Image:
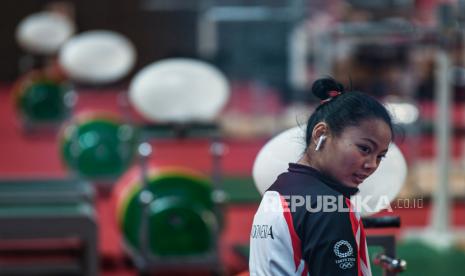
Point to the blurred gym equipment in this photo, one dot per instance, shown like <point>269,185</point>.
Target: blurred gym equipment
<point>43,100</point>
<point>98,146</point>
<point>179,91</point>
<point>44,33</point>
<point>171,217</point>
<point>182,219</point>
<point>97,57</point>
<point>48,190</point>
<point>41,36</point>
<point>56,213</point>
<point>228,35</point>
<point>387,258</point>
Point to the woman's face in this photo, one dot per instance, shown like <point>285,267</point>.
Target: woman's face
<point>357,152</point>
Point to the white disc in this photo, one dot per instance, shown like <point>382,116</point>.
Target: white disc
<point>287,147</point>
<point>44,32</point>
<point>179,90</point>
<point>274,158</point>
<point>98,57</point>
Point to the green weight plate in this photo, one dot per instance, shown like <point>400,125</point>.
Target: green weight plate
<point>99,148</point>
<point>169,182</point>
<point>181,218</point>
<point>181,184</point>
<point>176,227</point>
<point>44,101</point>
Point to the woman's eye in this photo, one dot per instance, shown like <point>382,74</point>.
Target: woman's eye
<point>364,149</point>
<point>381,157</point>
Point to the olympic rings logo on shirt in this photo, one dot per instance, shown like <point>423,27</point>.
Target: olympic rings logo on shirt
<point>346,265</point>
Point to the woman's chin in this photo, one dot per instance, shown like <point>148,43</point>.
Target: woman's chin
<point>352,184</point>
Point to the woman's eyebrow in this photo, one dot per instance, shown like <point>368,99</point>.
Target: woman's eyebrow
<point>371,141</point>
<point>374,144</point>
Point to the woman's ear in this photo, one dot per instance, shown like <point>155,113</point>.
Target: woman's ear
<point>319,135</point>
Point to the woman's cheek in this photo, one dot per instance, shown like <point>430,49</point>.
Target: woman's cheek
<point>353,160</point>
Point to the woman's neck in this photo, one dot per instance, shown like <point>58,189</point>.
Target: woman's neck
<point>308,161</point>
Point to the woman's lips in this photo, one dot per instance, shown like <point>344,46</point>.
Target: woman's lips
<point>359,178</point>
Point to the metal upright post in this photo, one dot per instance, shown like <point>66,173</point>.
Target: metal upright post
<point>145,197</point>
<point>440,215</point>
<point>217,150</point>
<point>440,219</point>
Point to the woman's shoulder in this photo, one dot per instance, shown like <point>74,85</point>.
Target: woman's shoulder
<point>296,183</point>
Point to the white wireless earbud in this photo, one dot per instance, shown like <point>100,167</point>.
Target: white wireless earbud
<point>320,142</point>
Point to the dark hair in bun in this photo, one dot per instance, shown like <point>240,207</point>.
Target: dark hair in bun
<point>340,109</point>
<point>322,87</point>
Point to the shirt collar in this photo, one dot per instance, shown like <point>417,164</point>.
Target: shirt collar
<point>336,185</point>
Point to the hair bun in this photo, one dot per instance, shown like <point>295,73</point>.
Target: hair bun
<point>322,87</point>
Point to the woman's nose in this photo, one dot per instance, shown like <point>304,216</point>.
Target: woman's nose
<point>371,163</point>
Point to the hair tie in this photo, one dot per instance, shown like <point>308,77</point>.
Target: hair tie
<point>332,94</point>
